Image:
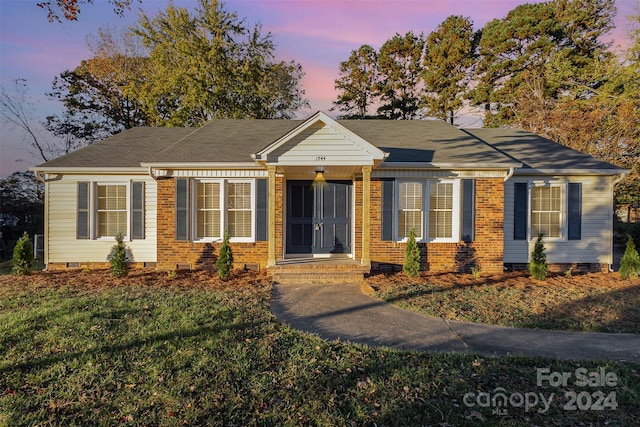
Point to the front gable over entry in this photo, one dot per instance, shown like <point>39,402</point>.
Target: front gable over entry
<point>320,141</point>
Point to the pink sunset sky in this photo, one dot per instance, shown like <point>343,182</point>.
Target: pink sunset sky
<point>317,34</point>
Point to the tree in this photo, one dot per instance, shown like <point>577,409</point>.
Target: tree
<point>70,9</point>
<point>17,110</point>
<point>212,65</point>
<point>411,265</point>
<point>399,69</point>
<point>21,205</point>
<point>224,263</point>
<point>22,260</point>
<point>358,78</point>
<point>538,263</point>
<point>630,262</point>
<point>551,44</point>
<point>101,96</point>
<point>448,63</point>
<point>119,259</point>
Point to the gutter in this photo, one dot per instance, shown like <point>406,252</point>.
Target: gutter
<point>613,212</point>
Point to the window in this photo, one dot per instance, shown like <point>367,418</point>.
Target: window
<point>431,208</point>
<point>546,202</point>
<point>111,210</point>
<point>208,210</point>
<point>224,205</point>
<point>105,210</point>
<point>239,209</point>
<point>440,210</point>
<point>410,209</point>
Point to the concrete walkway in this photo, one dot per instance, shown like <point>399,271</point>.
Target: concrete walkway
<point>343,312</point>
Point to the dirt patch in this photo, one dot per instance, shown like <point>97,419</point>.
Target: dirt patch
<point>102,279</point>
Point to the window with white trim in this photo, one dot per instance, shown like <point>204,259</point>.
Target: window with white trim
<point>431,208</point>
<point>224,205</point>
<point>106,209</point>
<point>410,209</point>
<point>208,212</point>
<point>546,211</point>
<point>440,210</point>
<point>111,212</point>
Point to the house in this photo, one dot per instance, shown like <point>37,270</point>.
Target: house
<point>322,188</point>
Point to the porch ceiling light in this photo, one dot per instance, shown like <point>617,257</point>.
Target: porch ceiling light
<point>319,179</point>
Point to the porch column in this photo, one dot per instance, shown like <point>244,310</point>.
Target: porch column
<point>366,214</point>
<point>271,234</point>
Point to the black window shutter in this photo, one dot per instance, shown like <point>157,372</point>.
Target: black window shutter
<point>82,215</point>
<point>137,210</point>
<point>262,221</point>
<point>520,211</point>
<point>182,209</point>
<point>468,210</point>
<point>388,199</point>
<point>574,217</point>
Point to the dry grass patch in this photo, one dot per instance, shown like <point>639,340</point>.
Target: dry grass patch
<point>596,302</point>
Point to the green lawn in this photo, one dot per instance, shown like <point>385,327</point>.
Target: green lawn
<point>161,355</point>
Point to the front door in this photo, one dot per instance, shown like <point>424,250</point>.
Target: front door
<point>319,217</point>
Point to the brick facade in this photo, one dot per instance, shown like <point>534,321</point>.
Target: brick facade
<point>486,250</point>
<point>176,255</point>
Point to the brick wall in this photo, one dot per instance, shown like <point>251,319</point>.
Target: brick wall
<point>173,254</point>
<point>486,250</point>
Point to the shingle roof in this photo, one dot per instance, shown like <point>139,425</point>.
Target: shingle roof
<point>222,141</point>
<point>125,149</point>
<point>430,141</point>
<point>536,152</point>
<point>419,141</point>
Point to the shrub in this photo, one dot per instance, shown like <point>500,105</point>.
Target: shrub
<point>119,262</point>
<point>411,265</point>
<point>225,259</point>
<point>22,260</point>
<point>630,262</point>
<point>538,264</point>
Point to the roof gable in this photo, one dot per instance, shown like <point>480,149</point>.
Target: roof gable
<point>320,140</point>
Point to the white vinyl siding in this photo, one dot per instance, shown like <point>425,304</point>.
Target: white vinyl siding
<point>334,148</point>
<point>597,222</point>
<point>61,242</point>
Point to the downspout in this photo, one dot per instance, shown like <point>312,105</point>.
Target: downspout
<point>150,171</point>
<point>40,177</point>
<point>613,212</point>
<point>509,174</point>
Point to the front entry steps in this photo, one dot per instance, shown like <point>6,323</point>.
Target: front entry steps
<point>319,271</point>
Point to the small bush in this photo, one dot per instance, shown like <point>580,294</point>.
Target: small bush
<point>630,262</point>
<point>225,259</point>
<point>475,271</point>
<point>538,264</point>
<point>22,260</point>
<point>411,265</point>
<point>119,262</point>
